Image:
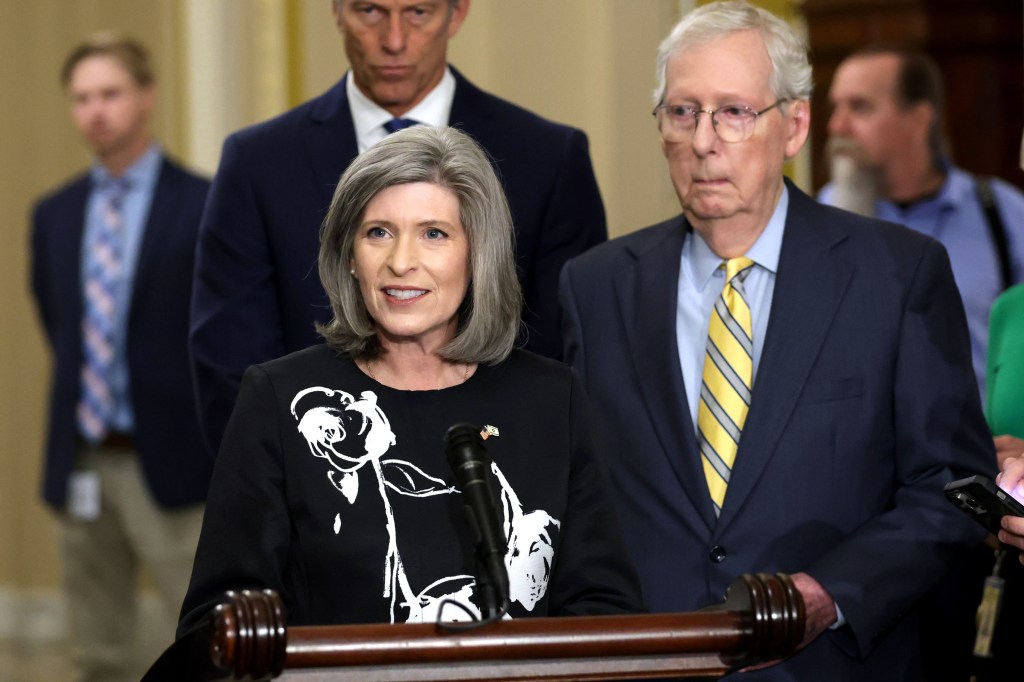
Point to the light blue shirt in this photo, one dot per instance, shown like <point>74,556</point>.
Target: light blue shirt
<point>142,177</point>
<point>955,217</point>
<point>700,284</point>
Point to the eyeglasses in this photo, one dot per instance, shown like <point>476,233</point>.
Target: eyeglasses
<point>732,122</point>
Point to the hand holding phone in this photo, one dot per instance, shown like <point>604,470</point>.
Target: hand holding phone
<point>981,499</point>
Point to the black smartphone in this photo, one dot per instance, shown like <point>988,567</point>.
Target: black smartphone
<point>980,498</point>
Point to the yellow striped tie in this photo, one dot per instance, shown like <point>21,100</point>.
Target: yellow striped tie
<point>727,381</point>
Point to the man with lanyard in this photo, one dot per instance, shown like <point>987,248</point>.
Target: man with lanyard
<point>112,255</point>
<point>890,160</point>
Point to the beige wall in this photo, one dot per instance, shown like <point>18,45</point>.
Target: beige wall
<point>588,64</point>
<point>226,63</point>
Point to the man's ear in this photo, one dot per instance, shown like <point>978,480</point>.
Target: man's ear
<point>336,10</point>
<point>923,115</point>
<point>149,94</point>
<point>798,126</point>
<point>458,14</point>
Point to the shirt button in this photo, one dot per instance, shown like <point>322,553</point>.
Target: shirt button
<point>717,554</point>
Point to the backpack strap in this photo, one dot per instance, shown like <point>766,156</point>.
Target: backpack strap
<point>996,228</point>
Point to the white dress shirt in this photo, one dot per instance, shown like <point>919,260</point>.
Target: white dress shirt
<point>369,117</point>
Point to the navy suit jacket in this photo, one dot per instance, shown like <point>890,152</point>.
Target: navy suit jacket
<point>258,292</point>
<point>174,459</point>
<point>864,407</point>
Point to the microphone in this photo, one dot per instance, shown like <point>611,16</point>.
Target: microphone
<point>468,459</point>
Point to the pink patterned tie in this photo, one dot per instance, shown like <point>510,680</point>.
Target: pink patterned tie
<point>102,280</point>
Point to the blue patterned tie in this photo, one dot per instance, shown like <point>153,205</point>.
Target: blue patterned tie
<point>103,277</point>
<point>396,124</point>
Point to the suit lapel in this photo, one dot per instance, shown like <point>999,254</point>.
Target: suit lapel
<point>330,139</point>
<point>470,109</point>
<point>809,288</point>
<point>73,215</point>
<point>650,291</point>
<point>161,219</point>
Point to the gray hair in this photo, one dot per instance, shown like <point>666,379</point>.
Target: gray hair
<point>791,68</point>
<point>488,318</point>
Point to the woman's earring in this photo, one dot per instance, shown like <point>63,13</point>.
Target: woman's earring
<point>352,271</point>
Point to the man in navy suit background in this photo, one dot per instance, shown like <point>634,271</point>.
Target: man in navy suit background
<point>112,256</point>
<point>857,402</point>
<point>257,294</point>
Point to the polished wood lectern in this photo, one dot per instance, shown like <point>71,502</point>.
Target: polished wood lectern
<point>246,638</point>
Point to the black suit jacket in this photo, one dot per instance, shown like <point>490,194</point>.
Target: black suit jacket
<point>174,461</point>
<point>258,292</point>
<point>864,406</point>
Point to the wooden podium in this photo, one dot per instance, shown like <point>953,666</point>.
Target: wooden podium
<point>246,638</point>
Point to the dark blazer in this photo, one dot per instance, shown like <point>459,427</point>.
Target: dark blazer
<point>174,461</point>
<point>258,292</point>
<point>864,406</point>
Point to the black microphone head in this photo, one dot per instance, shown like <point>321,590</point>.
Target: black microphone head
<point>464,445</point>
<point>468,460</point>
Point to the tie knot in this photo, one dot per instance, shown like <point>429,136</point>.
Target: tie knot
<point>396,124</point>
<point>114,189</point>
<point>737,267</point>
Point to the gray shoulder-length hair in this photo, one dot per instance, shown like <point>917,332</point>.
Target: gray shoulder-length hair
<point>489,316</point>
<point>791,68</point>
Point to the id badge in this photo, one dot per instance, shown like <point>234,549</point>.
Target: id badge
<point>988,613</point>
<point>84,495</point>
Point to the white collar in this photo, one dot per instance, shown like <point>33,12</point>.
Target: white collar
<point>369,118</point>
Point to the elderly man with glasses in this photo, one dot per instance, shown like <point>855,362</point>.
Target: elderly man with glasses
<point>782,386</point>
